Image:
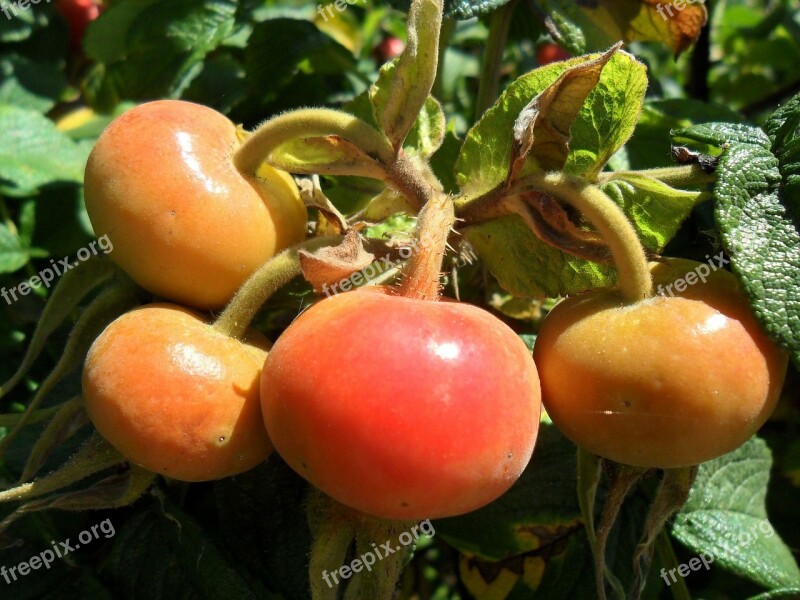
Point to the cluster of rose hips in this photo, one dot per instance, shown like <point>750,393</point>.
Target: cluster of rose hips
<point>400,407</point>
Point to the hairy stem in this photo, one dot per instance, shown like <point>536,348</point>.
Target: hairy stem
<point>678,177</point>
<point>406,176</point>
<point>307,123</point>
<point>671,496</point>
<point>622,479</point>
<point>268,279</point>
<point>421,276</point>
<point>635,281</point>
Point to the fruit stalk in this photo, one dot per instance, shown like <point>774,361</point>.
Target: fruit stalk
<point>274,274</point>
<point>307,123</point>
<point>422,272</point>
<point>635,281</point>
<point>678,176</point>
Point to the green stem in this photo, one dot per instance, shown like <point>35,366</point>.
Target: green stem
<point>333,530</point>
<point>622,479</point>
<point>679,589</point>
<point>588,480</point>
<point>306,123</point>
<point>493,57</point>
<point>95,455</point>
<point>678,177</point>
<point>448,27</point>
<point>10,420</point>
<point>379,583</point>
<point>635,281</point>
<point>672,493</point>
<point>269,278</point>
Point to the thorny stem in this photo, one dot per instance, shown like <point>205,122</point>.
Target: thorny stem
<point>422,272</point>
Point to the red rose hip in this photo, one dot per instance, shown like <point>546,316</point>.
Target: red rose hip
<point>402,408</point>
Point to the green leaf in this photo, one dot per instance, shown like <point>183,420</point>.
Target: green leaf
<point>542,129</point>
<point>34,153</point>
<point>655,209</point>
<point>526,266</point>
<point>156,48</point>
<point>759,231</point>
<point>106,37</point>
<point>30,84</point>
<point>278,48</point>
<point>587,26</point>
<point>535,530</point>
<point>651,142</point>
<point>413,73</point>
<point>725,517</point>
<point>538,510</point>
<point>428,131</point>
<point>67,294</point>
<point>265,509</point>
<point>791,593</point>
<point>20,26</point>
<point>783,128</point>
<point>166,554</point>
<point>13,254</point>
<point>602,126</point>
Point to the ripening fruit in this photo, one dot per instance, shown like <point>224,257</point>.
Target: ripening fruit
<point>402,408</point>
<point>184,223</point>
<point>666,382</point>
<point>78,13</point>
<point>175,396</point>
<point>389,48</point>
<point>549,53</point>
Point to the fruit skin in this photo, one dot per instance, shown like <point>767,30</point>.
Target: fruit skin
<point>402,408</point>
<point>78,13</point>
<point>183,222</point>
<point>667,382</point>
<point>549,53</point>
<point>163,387</point>
<point>389,48</point>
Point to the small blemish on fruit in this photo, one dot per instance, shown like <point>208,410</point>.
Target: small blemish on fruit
<point>626,403</point>
<point>221,439</point>
<point>510,455</point>
<point>404,504</point>
<point>305,466</point>
<point>172,212</point>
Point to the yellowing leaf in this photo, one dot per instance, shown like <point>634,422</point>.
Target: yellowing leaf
<point>583,27</point>
<point>542,129</point>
